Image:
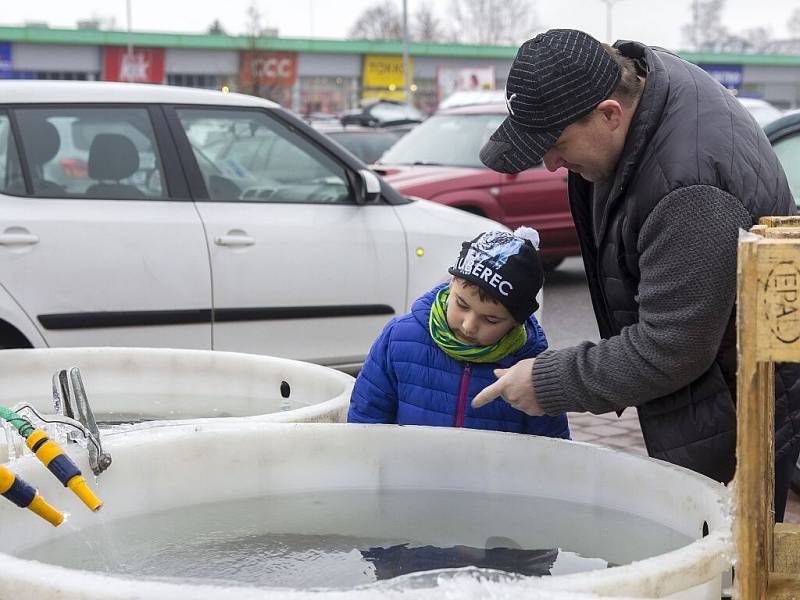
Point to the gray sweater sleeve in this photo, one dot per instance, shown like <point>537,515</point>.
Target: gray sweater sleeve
<point>687,289</point>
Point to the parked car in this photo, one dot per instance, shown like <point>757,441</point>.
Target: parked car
<point>470,97</point>
<point>439,160</point>
<point>784,134</point>
<point>763,112</point>
<point>201,220</point>
<point>367,143</point>
<point>382,112</point>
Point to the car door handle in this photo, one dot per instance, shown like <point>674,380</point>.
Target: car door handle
<point>234,240</point>
<point>18,239</point>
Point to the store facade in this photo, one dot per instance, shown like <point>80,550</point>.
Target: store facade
<point>319,76</point>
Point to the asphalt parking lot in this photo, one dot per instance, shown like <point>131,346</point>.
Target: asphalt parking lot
<point>567,319</point>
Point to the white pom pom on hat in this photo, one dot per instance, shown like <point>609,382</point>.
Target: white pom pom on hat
<point>528,233</point>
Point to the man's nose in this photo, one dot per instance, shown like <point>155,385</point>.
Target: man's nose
<point>552,160</point>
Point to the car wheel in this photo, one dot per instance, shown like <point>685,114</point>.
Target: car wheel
<point>11,338</point>
<point>795,483</point>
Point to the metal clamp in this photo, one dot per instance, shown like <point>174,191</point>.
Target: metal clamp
<point>69,399</point>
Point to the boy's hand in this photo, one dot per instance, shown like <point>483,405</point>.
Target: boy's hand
<point>515,386</point>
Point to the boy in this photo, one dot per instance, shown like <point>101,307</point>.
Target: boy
<point>426,366</point>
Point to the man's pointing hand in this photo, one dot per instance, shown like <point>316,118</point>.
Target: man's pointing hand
<point>515,386</point>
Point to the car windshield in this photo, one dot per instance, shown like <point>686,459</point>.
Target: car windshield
<point>450,140</point>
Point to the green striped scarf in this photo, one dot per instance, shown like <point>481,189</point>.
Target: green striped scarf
<point>447,341</point>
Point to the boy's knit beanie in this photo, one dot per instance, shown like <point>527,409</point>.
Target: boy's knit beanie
<point>506,266</point>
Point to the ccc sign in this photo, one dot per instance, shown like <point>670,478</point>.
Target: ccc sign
<point>269,68</point>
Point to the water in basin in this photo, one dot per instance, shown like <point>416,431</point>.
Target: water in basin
<point>342,539</point>
<point>175,406</point>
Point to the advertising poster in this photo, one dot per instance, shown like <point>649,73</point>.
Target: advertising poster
<point>144,65</point>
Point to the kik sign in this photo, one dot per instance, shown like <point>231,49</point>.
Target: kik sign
<point>143,65</point>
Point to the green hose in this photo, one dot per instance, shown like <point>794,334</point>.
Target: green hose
<point>21,423</point>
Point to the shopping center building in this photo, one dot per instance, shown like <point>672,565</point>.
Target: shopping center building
<point>314,75</point>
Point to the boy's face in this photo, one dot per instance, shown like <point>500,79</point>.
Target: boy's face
<point>474,321</point>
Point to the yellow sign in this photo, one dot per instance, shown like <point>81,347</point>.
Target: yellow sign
<point>385,72</point>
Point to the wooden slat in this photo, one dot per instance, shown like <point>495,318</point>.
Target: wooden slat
<point>766,398</point>
<point>787,548</point>
<point>749,510</point>
<point>783,587</point>
<point>780,232</point>
<point>793,221</point>
<point>758,229</point>
<point>778,302</point>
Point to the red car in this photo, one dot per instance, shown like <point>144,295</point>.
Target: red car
<point>439,161</point>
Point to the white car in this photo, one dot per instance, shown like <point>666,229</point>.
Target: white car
<point>763,112</point>
<point>137,215</point>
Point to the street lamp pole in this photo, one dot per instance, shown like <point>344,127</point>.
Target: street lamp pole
<point>609,30</point>
<point>406,72</point>
<point>130,41</point>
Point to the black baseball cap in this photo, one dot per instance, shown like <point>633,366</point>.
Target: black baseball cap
<point>556,78</point>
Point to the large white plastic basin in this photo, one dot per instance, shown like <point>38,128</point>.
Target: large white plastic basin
<point>169,384</point>
<point>162,468</point>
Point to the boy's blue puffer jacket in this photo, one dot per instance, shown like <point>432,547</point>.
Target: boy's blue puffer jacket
<point>408,379</point>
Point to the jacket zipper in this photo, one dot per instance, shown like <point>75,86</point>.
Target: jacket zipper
<point>461,408</point>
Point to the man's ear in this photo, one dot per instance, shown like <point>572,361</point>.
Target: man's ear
<point>611,112</point>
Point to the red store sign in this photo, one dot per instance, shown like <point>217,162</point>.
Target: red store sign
<point>145,65</point>
<point>269,68</point>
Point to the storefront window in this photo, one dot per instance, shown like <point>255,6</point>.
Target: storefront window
<point>196,80</point>
<point>329,95</point>
<point>64,75</point>
<point>425,95</point>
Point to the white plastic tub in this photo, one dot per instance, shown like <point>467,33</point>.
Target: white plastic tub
<point>156,384</point>
<point>215,463</point>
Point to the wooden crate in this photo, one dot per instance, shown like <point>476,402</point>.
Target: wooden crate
<point>768,331</point>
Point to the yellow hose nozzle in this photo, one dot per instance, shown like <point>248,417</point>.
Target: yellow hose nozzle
<point>78,486</point>
<point>25,495</point>
<point>47,512</point>
<point>61,465</point>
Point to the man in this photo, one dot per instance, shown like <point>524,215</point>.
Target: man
<point>665,168</point>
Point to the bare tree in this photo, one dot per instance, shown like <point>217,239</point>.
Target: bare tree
<point>705,32</point>
<point>382,21</point>
<point>794,22</point>
<point>427,27</point>
<point>758,39</point>
<point>755,40</point>
<point>216,28</point>
<point>253,23</point>
<point>253,29</point>
<point>492,22</point>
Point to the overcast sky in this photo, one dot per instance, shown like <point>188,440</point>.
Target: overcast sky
<point>656,22</point>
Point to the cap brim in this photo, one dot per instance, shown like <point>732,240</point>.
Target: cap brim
<point>512,149</point>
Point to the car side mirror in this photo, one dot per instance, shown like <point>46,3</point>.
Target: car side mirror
<point>370,188</point>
